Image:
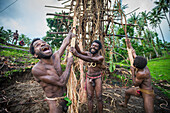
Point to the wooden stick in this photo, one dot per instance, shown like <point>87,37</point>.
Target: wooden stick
<point>105,35</point>
<point>56,7</point>
<point>58,32</point>
<point>125,36</point>
<point>65,2</point>
<point>126,24</point>
<point>133,11</point>
<point>67,16</point>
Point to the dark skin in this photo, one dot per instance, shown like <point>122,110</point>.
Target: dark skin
<point>98,59</point>
<point>15,35</point>
<point>49,74</point>
<point>142,79</point>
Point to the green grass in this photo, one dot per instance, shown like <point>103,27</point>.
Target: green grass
<point>16,57</point>
<point>160,68</point>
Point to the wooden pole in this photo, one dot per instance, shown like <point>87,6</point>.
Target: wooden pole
<point>66,16</point>
<point>57,7</point>
<point>72,82</point>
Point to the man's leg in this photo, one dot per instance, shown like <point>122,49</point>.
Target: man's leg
<point>148,103</point>
<point>54,108</point>
<point>90,95</point>
<point>13,40</point>
<point>98,90</point>
<point>16,40</point>
<point>128,93</point>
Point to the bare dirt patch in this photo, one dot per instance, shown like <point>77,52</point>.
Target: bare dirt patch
<point>21,94</point>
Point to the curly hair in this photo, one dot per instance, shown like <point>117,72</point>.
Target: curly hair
<point>100,44</point>
<point>31,46</point>
<point>140,62</point>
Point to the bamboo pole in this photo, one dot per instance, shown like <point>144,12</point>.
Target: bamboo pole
<point>56,7</point>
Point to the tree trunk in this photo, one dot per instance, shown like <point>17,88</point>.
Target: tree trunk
<point>163,39</point>
<point>150,56</point>
<point>147,40</point>
<point>153,44</point>
<point>82,91</point>
<point>167,19</point>
<point>72,82</point>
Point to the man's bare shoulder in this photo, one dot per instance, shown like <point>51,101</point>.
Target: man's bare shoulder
<point>56,53</point>
<point>143,74</point>
<point>36,66</point>
<point>37,70</point>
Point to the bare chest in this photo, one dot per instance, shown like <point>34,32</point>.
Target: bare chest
<point>94,68</point>
<point>50,70</point>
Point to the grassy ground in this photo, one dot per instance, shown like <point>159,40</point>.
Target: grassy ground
<point>160,71</point>
<point>160,68</point>
<point>12,60</point>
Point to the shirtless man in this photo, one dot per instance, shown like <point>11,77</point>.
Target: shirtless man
<point>94,81</point>
<point>141,77</point>
<point>15,35</point>
<point>49,74</point>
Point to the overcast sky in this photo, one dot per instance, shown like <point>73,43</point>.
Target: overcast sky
<point>29,16</point>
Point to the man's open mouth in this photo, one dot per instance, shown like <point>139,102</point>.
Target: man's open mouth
<point>93,49</point>
<point>45,48</point>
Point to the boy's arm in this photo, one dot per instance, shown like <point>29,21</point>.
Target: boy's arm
<point>128,43</point>
<point>134,53</point>
<point>135,78</point>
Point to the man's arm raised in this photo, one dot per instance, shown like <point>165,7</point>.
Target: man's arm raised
<point>130,46</point>
<point>79,51</point>
<point>136,80</point>
<point>65,43</point>
<point>87,58</point>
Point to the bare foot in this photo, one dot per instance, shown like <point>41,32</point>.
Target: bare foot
<point>123,104</point>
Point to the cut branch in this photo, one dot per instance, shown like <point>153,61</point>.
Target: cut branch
<point>133,11</point>
<point>57,7</point>
<point>67,16</point>
<point>106,35</point>
<point>126,24</point>
<point>65,2</point>
<point>125,36</point>
<point>120,55</point>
